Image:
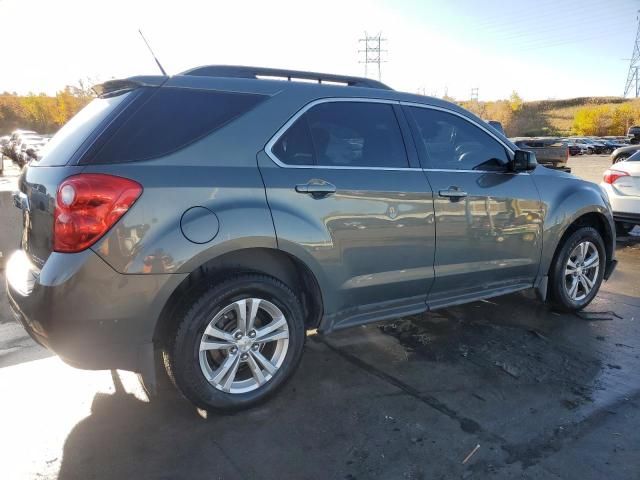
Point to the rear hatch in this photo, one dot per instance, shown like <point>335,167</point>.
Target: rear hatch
<point>39,181</point>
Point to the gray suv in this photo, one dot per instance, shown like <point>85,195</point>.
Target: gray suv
<point>209,219</point>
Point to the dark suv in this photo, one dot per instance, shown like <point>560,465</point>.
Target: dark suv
<point>211,218</point>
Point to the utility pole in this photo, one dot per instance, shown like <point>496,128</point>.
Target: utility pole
<point>474,94</point>
<point>633,83</point>
<point>372,52</point>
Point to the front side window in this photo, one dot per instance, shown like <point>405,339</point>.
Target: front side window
<point>453,143</point>
<point>344,134</point>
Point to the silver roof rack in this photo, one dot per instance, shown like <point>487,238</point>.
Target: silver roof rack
<point>231,71</point>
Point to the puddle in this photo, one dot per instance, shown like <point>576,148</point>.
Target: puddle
<point>520,354</point>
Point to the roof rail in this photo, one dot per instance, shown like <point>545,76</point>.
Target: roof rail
<point>231,71</point>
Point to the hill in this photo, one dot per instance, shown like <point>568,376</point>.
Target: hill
<point>581,116</point>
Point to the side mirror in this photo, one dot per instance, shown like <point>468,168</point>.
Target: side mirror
<point>523,161</point>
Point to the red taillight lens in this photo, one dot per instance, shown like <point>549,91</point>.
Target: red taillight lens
<point>87,206</point>
<point>611,176</point>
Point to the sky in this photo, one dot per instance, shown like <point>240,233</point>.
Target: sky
<point>543,49</point>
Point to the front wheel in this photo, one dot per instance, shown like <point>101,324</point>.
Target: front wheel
<point>578,268</point>
<point>239,343</point>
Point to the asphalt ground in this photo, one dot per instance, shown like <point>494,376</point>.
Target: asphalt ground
<point>512,387</point>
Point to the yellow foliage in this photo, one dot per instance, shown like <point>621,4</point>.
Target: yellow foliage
<point>601,120</point>
<point>42,113</point>
<point>515,102</point>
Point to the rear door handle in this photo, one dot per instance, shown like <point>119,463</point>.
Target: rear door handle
<point>316,188</point>
<point>454,193</point>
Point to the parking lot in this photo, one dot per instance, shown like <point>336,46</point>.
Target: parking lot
<point>503,388</point>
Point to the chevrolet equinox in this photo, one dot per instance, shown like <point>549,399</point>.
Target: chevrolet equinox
<point>207,220</point>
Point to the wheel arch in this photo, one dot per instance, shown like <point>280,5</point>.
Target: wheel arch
<point>273,262</point>
<point>595,219</point>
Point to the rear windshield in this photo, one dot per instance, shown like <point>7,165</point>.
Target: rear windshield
<point>69,138</point>
<point>169,121</point>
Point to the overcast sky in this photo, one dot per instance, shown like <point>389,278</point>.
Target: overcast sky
<point>540,48</point>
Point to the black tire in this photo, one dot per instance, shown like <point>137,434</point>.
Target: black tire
<point>557,289</point>
<point>623,228</point>
<point>181,355</point>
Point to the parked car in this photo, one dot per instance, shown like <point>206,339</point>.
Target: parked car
<point>574,148</point>
<point>550,152</point>
<point>215,216</point>
<point>622,153</point>
<point>622,184</point>
<point>21,146</point>
<point>611,145</point>
<point>15,138</point>
<point>584,148</point>
<point>590,145</point>
<point>634,134</point>
<point>33,149</point>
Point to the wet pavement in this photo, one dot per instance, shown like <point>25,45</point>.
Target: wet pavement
<point>516,389</point>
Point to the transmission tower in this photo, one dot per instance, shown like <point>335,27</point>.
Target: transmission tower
<point>633,83</point>
<point>372,52</point>
<point>474,94</point>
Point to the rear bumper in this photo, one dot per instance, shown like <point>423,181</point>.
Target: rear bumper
<point>85,312</point>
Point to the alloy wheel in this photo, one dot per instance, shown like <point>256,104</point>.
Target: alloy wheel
<point>581,271</point>
<point>244,345</point>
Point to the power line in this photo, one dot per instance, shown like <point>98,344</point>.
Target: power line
<point>634,65</point>
<point>372,52</point>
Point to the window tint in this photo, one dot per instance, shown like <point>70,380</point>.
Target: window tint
<point>344,134</point>
<point>295,146</point>
<point>356,134</point>
<point>452,142</point>
<point>170,120</point>
<point>71,136</point>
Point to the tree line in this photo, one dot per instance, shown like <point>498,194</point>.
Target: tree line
<point>40,112</point>
<point>580,116</point>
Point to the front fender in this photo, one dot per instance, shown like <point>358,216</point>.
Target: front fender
<point>566,199</point>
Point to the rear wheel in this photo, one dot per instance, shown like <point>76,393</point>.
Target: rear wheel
<point>578,268</point>
<point>238,344</point>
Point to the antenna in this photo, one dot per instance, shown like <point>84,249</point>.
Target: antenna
<point>152,54</point>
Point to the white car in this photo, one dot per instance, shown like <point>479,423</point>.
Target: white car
<point>622,184</point>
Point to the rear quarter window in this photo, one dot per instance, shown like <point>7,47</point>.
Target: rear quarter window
<point>169,121</point>
<point>72,135</point>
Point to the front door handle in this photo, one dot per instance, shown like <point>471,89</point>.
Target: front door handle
<point>453,193</point>
<point>316,188</point>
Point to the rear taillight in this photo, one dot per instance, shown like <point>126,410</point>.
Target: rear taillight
<point>87,206</point>
<point>611,176</point>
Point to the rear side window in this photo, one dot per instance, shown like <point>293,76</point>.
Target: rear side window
<point>170,120</point>
<point>295,147</point>
<point>344,134</point>
<point>71,136</point>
